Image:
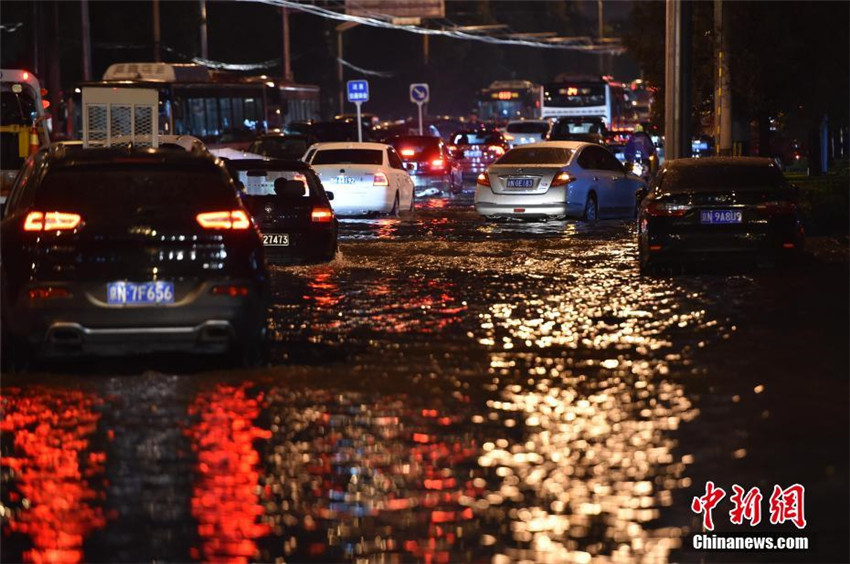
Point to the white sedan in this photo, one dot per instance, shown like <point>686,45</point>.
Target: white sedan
<point>365,178</point>
<point>558,179</point>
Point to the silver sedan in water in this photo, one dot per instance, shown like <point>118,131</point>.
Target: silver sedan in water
<point>558,179</point>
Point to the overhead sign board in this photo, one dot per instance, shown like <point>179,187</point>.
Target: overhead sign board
<point>396,8</point>
<point>419,93</point>
<point>358,91</point>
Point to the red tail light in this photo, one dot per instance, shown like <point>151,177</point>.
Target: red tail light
<point>438,164</point>
<point>779,207</point>
<point>408,153</point>
<point>496,149</point>
<point>667,209</point>
<point>51,221</point>
<point>562,179</point>
<point>322,215</point>
<point>234,219</point>
<point>483,179</point>
<point>380,179</point>
<point>48,292</point>
<point>232,290</point>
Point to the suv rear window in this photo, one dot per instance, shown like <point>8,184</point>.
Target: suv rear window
<point>260,182</point>
<point>528,127</point>
<point>721,177</point>
<point>348,156</point>
<point>536,155</point>
<point>127,188</point>
<point>477,138</point>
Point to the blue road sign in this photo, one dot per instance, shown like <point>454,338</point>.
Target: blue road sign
<point>419,93</point>
<point>358,90</point>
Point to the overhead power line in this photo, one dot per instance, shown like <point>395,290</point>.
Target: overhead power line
<point>577,44</point>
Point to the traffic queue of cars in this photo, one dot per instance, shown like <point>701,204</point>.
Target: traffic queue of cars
<point>176,259</point>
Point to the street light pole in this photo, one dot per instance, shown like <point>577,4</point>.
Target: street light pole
<point>157,52</point>
<point>722,82</point>
<point>204,51</point>
<point>86,38</point>
<point>677,82</point>
<point>287,63</point>
<point>340,29</point>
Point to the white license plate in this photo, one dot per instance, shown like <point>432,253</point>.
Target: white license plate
<point>344,180</point>
<point>276,240</point>
<point>520,182</point>
<point>721,216</point>
<point>140,293</point>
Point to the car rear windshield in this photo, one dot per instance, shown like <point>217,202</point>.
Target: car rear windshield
<point>528,127</point>
<point>282,147</point>
<point>348,156</point>
<point>116,188</point>
<point>416,147</point>
<point>536,155</point>
<point>720,177</point>
<point>260,182</point>
<point>476,138</point>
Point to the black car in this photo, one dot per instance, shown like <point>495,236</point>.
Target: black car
<point>429,162</point>
<point>291,208</point>
<point>113,251</point>
<point>718,208</point>
<point>280,146</point>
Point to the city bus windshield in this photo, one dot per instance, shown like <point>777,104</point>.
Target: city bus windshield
<point>574,95</point>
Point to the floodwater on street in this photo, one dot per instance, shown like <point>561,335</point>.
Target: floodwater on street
<point>453,390</point>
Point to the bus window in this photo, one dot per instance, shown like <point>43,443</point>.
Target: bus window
<point>212,116</point>
<point>238,113</point>
<point>226,119</point>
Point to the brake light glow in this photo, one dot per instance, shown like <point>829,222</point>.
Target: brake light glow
<point>438,163</point>
<point>562,179</point>
<point>380,179</point>
<point>231,290</point>
<point>26,75</point>
<point>779,207</point>
<point>234,219</point>
<point>483,179</point>
<point>668,209</point>
<point>408,152</point>
<point>496,149</point>
<point>322,215</point>
<point>48,292</point>
<point>51,221</point>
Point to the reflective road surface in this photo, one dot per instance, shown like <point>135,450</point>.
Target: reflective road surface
<point>451,390</point>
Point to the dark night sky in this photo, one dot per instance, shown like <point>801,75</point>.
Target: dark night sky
<point>243,32</point>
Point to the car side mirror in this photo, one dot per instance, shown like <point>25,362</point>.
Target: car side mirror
<point>330,195</point>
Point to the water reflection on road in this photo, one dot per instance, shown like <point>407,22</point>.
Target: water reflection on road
<point>446,390</point>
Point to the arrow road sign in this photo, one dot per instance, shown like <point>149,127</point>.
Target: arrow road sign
<point>358,90</point>
<point>419,93</point>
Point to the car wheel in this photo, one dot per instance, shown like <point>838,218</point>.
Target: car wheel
<point>591,209</point>
<point>394,211</point>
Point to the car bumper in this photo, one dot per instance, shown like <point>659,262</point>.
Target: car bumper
<point>81,325</point>
<point>442,182</point>
<point>552,203</point>
<point>304,247</point>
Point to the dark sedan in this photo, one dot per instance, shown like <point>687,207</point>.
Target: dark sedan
<point>114,251</point>
<point>476,149</point>
<point>429,163</point>
<point>719,208</point>
<point>291,208</point>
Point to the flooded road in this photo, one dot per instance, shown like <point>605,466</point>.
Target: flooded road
<point>451,390</point>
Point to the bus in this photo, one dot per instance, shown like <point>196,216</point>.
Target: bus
<point>586,97</point>
<point>504,100</point>
<point>220,108</point>
<point>22,123</point>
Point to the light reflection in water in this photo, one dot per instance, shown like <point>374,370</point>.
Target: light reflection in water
<point>225,497</point>
<point>56,480</point>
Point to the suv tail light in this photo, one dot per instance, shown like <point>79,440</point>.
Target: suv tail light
<point>562,179</point>
<point>483,179</point>
<point>322,215</point>
<point>47,292</point>
<point>380,179</point>
<point>667,209</point>
<point>408,153</point>
<point>234,219</point>
<point>51,221</point>
<point>496,149</point>
<point>778,207</point>
<point>231,290</point>
<point>438,164</point>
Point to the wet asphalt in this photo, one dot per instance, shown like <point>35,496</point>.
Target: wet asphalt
<point>453,390</point>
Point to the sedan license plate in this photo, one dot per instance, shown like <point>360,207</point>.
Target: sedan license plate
<point>276,240</point>
<point>140,293</point>
<point>721,216</point>
<point>520,183</point>
<point>341,179</point>
<point>472,154</point>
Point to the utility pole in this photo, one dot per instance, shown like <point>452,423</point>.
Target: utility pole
<point>722,82</point>
<point>677,80</point>
<point>287,63</point>
<point>340,29</point>
<point>157,51</point>
<point>600,35</point>
<point>426,52</point>
<point>86,36</point>
<point>204,49</point>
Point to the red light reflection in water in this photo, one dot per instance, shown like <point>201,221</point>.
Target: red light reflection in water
<point>324,291</point>
<point>225,498</point>
<point>53,470</point>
